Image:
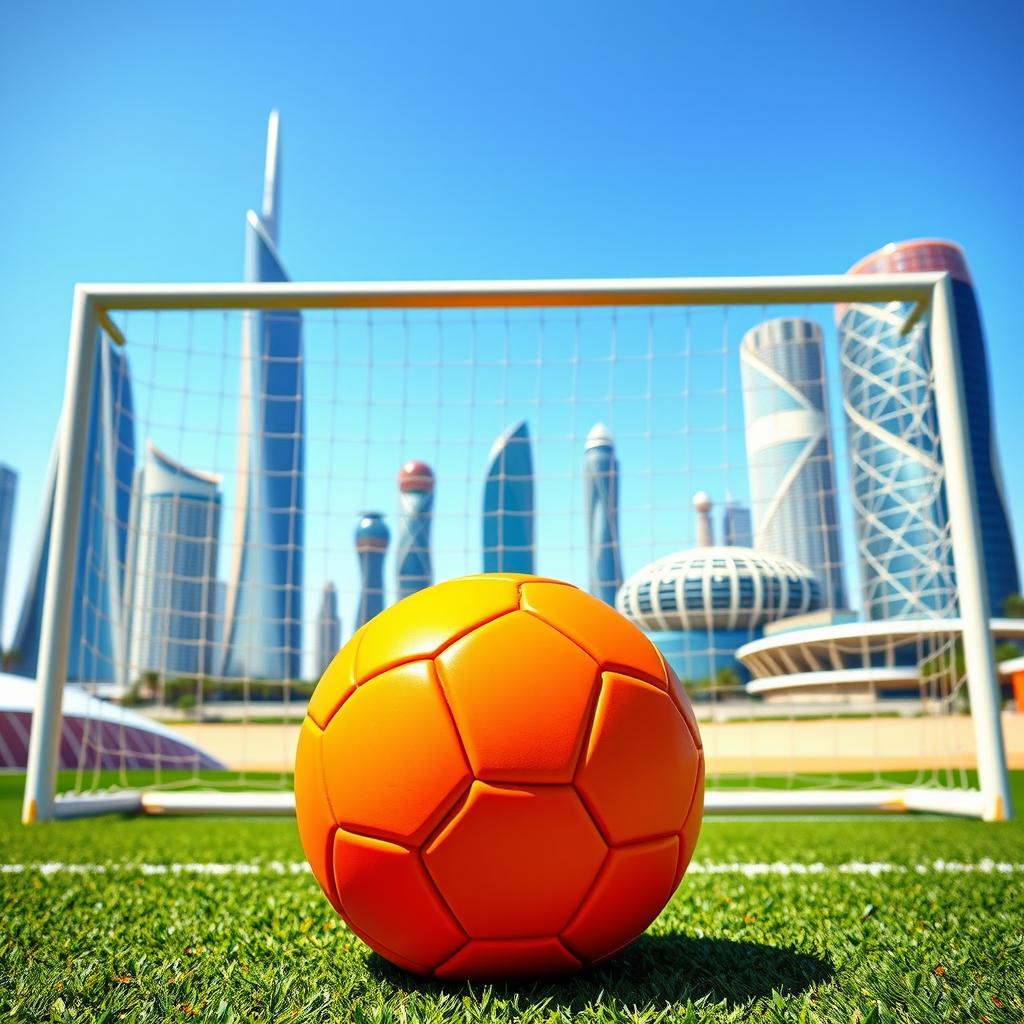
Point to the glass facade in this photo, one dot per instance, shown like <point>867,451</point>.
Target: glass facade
<point>789,449</point>
<point>171,596</point>
<point>97,638</point>
<point>896,461</point>
<point>508,512</point>
<point>263,632</point>
<point>601,493</point>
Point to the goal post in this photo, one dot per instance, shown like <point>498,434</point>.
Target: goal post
<point>100,313</point>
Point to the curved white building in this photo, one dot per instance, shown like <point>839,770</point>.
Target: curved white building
<point>717,588</point>
<point>789,448</point>
<point>846,659</point>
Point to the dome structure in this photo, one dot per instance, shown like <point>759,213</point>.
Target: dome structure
<point>717,588</point>
<point>372,533</point>
<point>416,477</point>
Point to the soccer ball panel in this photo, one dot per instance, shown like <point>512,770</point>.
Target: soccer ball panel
<point>681,701</point>
<point>520,692</point>
<point>634,885</point>
<point>637,773</point>
<point>312,811</point>
<point>395,762</point>
<point>515,861</point>
<point>691,830</point>
<point>608,637</point>
<point>427,621</point>
<point>336,684</point>
<point>388,897</point>
<point>504,958</point>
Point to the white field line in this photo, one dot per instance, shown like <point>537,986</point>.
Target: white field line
<point>985,866</point>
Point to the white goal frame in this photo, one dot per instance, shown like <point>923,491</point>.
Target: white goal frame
<point>93,305</point>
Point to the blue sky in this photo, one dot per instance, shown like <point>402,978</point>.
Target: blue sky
<point>471,141</point>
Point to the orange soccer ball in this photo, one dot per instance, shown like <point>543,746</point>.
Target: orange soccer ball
<point>499,775</point>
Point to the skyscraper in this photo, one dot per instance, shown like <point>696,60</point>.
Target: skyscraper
<point>263,632</point>
<point>601,492</point>
<point>328,628</point>
<point>896,468</point>
<point>413,570</point>
<point>171,586</point>
<point>96,645</point>
<point>737,525</point>
<point>508,537</point>
<point>8,489</point>
<point>789,449</point>
<point>372,537</point>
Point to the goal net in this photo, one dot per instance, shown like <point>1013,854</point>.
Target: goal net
<point>771,477</point>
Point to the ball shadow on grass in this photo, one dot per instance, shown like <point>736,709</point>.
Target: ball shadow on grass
<point>656,969</point>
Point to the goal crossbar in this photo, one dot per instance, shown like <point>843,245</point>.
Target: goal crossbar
<point>94,305</point>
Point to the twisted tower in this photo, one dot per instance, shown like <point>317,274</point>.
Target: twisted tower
<point>416,497</point>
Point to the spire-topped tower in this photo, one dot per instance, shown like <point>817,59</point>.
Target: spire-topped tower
<point>263,614</point>
<point>272,180</point>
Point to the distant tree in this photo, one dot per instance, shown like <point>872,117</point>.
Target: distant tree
<point>9,659</point>
<point>1013,606</point>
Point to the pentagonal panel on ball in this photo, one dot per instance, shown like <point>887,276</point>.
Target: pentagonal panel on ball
<point>520,692</point>
<point>393,764</point>
<point>423,623</point>
<point>631,890</point>
<point>612,640</point>
<point>515,861</point>
<point>637,773</point>
<point>388,898</point>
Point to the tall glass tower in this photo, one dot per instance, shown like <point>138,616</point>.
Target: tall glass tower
<point>171,589</point>
<point>789,449</point>
<point>601,492</point>
<point>328,629</point>
<point>372,537</point>
<point>508,541</point>
<point>8,490</point>
<point>263,633</point>
<point>416,497</point>
<point>895,452</point>
<point>97,637</point>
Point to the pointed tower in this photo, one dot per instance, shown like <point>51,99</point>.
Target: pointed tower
<point>263,614</point>
<point>508,503</point>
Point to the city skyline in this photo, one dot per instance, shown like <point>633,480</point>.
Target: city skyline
<point>412,202</point>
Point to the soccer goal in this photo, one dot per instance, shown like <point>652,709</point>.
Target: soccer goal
<point>771,476</point>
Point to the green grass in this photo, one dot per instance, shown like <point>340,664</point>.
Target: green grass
<point>830,947</point>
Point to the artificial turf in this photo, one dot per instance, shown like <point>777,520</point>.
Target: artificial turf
<point>914,941</point>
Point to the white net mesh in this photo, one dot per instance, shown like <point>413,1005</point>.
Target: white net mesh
<point>760,488</point>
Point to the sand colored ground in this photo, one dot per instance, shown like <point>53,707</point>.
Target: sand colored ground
<point>820,745</point>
